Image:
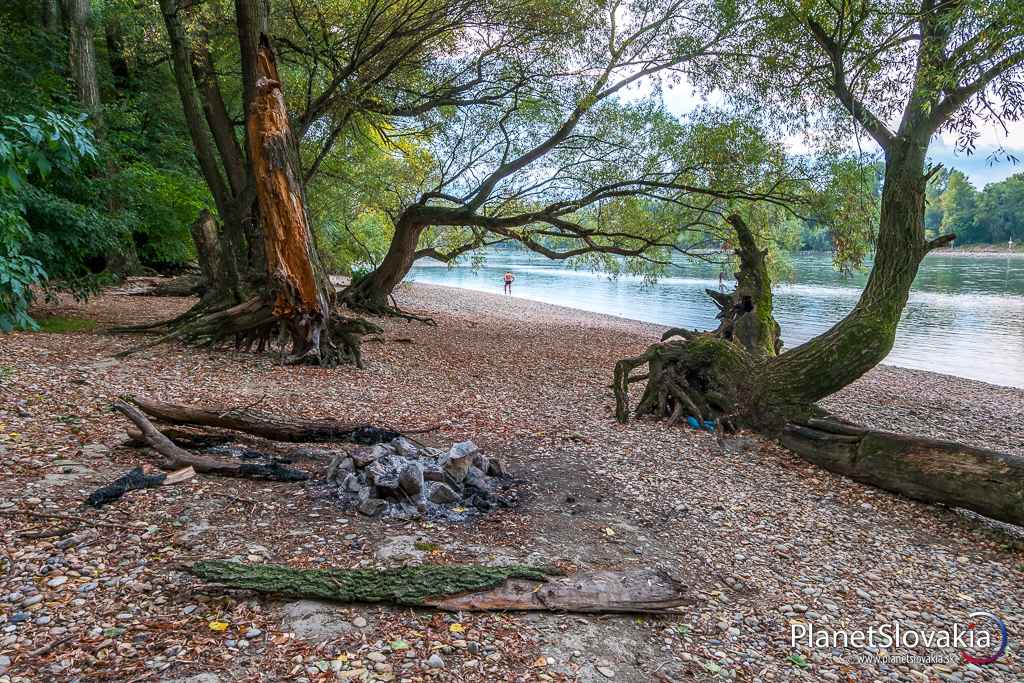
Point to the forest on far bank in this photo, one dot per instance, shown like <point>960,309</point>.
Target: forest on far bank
<point>993,215</point>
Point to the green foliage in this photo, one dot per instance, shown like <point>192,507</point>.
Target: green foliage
<point>163,203</point>
<point>43,237</point>
<point>993,215</point>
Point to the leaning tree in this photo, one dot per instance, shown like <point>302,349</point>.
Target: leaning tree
<point>539,165</point>
<point>262,277</point>
<point>901,72</point>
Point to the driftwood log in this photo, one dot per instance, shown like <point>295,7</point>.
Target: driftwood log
<point>985,481</point>
<point>266,425</point>
<point>175,457</point>
<point>457,588</point>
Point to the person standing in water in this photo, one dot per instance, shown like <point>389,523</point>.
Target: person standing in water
<point>509,279</point>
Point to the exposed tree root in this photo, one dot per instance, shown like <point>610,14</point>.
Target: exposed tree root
<point>354,301</point>
<point>252,326</point>
<point>735,375</point>
<point>459,588</point>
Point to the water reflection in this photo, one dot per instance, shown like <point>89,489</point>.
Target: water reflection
<point>964,316</point>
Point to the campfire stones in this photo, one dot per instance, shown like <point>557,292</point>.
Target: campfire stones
<point>400,479</point>
<point>440,493</point>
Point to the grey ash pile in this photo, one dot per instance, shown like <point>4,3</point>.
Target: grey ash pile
<point>403,480</point>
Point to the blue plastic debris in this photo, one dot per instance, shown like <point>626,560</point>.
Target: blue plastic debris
<point>693,422</point>
<point>709,425</point>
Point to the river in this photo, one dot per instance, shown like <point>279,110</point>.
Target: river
<point>965,316</point>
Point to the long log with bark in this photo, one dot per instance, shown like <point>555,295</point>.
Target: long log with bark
<point>978,479</point>
<point>266,425</point>
<point>175,457</point>
<point>459,587</point>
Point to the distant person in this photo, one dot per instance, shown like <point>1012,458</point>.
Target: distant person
<point>1011,244</point>
<point>509,279</point>
<point>721,281</point>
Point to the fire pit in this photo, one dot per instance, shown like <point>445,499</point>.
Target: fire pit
<point>404,480</point>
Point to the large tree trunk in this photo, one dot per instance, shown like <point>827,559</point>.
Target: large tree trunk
<point>728,379</point>
<point>82,54</point>
<point>978,479</point>
<point>735,372</point>
<point>303,295</point>
<point>372,292</point>
<point>266,281</point>
<point>863,338</point>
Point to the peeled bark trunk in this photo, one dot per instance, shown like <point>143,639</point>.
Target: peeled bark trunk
<point>302,291</point>
<point>266,279</point>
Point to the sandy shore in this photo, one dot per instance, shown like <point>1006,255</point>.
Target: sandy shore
<point>763,539</point>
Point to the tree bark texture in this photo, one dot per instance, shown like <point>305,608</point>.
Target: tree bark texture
<point>82,53</point>
<point>266,425</point>
<point>372,292</point>
<point>459,587</point>
<point>302,294</point>
<point>985,481</point>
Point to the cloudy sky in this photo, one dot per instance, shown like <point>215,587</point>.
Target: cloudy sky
<point>979,166</point>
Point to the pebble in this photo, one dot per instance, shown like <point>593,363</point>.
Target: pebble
<point>253,633</point>
<point>57,581</point>
<point>19,617</point>
<point>33,600</point>
<point>86,587</point>
<point>359,622</point>
<point>606,671</point>
<point>435,661</point>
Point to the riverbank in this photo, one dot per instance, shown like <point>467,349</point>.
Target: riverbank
<point>762,538</point>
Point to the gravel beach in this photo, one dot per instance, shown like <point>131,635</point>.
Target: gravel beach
<point>766,542</point>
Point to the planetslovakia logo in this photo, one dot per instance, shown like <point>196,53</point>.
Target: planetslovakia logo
<point>974,659</point>
<point>976,641</point>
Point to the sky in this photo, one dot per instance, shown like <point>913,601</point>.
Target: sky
<point>978,167</point>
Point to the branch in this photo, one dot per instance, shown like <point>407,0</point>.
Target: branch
<point>871,123</point>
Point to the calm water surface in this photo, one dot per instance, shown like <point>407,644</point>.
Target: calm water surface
<point>965,316</point>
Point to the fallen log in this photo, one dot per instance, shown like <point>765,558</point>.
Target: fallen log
<point>985,481</point>
<point>177,457</point>
<point>135,480</point>
<point>266,425</point>
<point>458,587</point>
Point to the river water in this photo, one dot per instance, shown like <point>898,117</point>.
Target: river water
<point>965,316</point>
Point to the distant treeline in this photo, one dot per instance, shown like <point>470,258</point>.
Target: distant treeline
<point>993,215</point>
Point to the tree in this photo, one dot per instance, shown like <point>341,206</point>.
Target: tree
<point>854,59</point>
<point>1000,211</point>
<point>959,205</point>
<point>368,65</point>
<point>36,151</point>
<point>562,160</point>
